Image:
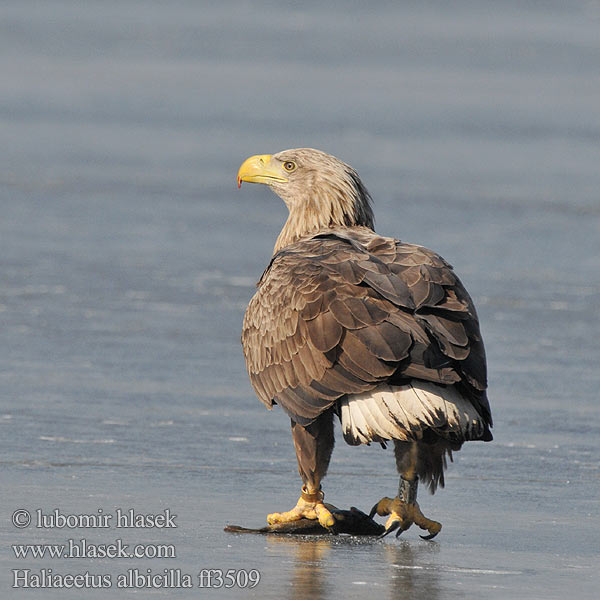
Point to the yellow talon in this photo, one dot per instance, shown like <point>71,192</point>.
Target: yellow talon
<point>326,519</point>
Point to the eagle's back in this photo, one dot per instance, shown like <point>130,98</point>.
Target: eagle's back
<point>345,311</point>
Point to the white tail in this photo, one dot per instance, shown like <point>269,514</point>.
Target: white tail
<point>403,412</point>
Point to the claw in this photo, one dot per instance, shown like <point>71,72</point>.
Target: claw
<point>391,528</point>
<point>373,511</point>
<point>433,527</point>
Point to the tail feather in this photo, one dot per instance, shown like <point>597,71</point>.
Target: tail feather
<point>407,412</point>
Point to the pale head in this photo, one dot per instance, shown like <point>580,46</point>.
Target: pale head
<point>319,190</point>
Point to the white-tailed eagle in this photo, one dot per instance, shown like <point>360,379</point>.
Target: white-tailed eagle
<point>378,332</point>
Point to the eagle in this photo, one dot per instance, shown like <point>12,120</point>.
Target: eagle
<point>374,331</point>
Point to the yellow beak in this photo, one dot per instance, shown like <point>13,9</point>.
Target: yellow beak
<point>258,169</point>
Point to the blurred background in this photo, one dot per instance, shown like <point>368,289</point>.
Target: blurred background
<point>128,256</point>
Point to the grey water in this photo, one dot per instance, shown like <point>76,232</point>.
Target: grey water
<point>128,256</point>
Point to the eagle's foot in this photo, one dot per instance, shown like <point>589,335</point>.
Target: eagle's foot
<point>309,506</point>
<point>403,511</point>
<point>402,516</point>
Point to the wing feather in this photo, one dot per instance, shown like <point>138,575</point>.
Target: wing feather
<point>342,312</point>
<point>324,331</point>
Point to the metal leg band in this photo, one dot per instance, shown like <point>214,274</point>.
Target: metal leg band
<point>407,490</point>
<point>312,496</point>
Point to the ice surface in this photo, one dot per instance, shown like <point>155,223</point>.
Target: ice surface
<point>127,257</point>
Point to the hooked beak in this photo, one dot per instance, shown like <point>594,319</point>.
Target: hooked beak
<point>258,169</point>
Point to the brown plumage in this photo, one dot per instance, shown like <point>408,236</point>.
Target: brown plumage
<point>342,313</point>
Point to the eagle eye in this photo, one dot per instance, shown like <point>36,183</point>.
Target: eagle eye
<point>289,166</point>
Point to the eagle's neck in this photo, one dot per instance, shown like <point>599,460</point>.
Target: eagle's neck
<point>347,205</point>
<point>301,222</point>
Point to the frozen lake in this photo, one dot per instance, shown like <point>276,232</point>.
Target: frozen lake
<point>128,256</point>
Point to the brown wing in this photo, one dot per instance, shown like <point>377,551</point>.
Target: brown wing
<point>343,311</point>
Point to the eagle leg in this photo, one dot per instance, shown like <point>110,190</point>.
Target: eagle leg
<point>314,444</point>
<point>403,510</point>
